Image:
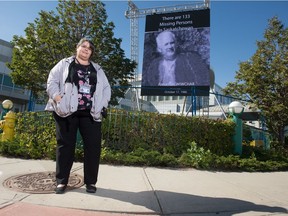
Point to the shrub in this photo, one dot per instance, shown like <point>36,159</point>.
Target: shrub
<point>149,139</point>
<point>196,157</point>
<point>171,134</point>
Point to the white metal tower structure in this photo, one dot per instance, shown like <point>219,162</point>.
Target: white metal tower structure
<point>133,14</point>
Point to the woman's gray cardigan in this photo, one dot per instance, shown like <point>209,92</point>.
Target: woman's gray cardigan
<point>56,85</point>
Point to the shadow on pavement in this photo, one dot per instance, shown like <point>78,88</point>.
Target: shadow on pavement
<point>180,203</point>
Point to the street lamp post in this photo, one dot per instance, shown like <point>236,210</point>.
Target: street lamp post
<point>6,105</point>
<point>236,109</point>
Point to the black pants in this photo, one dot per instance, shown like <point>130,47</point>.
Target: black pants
<point>66,135</point>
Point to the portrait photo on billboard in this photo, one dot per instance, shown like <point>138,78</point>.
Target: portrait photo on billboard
<point>176,58</point>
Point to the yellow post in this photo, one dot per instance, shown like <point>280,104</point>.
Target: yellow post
<point>8,126</point>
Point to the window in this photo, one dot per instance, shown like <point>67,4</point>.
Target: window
<point>178,108</point>
<point>1,79</point>
<point>7,81</point>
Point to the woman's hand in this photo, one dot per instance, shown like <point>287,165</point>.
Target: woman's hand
<point>57,98</point>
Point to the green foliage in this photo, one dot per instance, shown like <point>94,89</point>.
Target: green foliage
<point>226,163</point>
<point>147,139</point>
<point>252,160</point>
<point>54,36</point>
<point>196,156</point>
<point>264,77</point>
<point>169,134</point>
<point>34,137</point>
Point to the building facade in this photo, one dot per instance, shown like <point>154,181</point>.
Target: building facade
<point>8,90</point>
<point>180,105</point>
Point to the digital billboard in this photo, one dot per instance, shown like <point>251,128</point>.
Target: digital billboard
<point>176,59</point>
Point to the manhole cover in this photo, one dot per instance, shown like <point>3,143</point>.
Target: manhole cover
<point>41,182</point>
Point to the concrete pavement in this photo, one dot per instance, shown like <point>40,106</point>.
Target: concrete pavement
<point>126,190</point>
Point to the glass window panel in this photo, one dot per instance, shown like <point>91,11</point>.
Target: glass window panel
<point>7,81</point>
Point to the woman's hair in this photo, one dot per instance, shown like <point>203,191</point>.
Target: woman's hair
<point>89,41</point>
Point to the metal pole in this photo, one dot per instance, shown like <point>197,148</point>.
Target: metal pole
<point>193,98</point>
<point>237,138</point>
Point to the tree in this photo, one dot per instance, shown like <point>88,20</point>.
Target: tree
<point>54,36</point>
<point>264,78</point>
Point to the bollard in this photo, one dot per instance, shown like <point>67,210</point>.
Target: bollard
<point>8,126</point>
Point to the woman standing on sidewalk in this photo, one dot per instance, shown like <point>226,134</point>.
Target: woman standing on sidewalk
<point>79,93</point>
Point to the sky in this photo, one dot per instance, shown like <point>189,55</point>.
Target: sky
<point>235,27</point>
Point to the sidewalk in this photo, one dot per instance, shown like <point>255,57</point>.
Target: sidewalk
<point>149,191</point>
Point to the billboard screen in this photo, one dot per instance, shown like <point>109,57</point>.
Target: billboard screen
<point>176,58</point>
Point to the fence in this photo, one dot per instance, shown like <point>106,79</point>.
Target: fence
<point>121,125</point>
<point>172,101</point>
<point>214,106</point>
<point>260,138</point>
<point>125,130</point>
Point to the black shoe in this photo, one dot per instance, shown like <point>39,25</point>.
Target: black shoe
<point>60,189</point>
<point>91,188</point>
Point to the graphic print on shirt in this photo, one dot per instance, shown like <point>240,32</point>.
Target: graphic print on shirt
<point>84,93</point>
